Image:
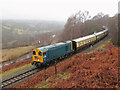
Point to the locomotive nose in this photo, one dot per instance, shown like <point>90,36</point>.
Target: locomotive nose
<point>38,64</point>
<point>37,56</point>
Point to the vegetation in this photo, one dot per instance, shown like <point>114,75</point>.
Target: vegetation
<point>82,24</point>
<point>15,70</point>
<point>15,65</point>
<point>63,76</point>
<point>81,71</point>
<point>100,47</point>
<point>8,54</point>
<point>115,29</point>
<point>46,85</point>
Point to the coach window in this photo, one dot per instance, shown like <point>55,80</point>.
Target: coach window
<point>40,53</point>
<point>34,53</point>
<point>87,41</point>
<point>84,42</point>
<point>79,44</point>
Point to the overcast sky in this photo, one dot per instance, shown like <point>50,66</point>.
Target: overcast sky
<point>58,10</point>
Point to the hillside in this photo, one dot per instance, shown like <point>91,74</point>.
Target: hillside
<point>86,70</point>
<point>25,32</point>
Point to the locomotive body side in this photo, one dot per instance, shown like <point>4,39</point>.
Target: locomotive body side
<point>59,50</point>
<point>51,52</point>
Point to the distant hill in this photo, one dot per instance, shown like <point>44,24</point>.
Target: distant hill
<point>36,25</point>
<point>27,30</point>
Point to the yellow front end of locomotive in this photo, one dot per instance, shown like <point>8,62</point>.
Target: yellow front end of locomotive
<point>37,56</point>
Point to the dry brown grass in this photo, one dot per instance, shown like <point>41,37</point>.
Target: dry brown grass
<point>9,54</point>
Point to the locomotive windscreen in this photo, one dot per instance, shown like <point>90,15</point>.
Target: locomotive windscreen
<point>40,53</point>
<point>34,53</point>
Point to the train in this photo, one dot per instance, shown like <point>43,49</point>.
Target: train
<point>44,55</point>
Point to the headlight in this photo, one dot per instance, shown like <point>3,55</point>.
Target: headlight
<point>44,56</point>
<point>38,59</point>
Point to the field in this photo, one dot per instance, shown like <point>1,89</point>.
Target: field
<point>9,54</point>
<point>98,69</point>
<point>19,64</point>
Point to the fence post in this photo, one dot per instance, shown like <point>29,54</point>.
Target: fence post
<point>55,68</point>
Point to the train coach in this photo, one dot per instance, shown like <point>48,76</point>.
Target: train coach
<point>101,35</point>
<point>44,55</point>
<point>83,41</point>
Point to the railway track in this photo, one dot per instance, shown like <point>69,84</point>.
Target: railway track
<point>22,76</point>
<point>19,77</point>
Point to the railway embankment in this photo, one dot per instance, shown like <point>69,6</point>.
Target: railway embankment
<point>97,69</point>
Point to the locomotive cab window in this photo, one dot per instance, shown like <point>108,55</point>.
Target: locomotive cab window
<point>40,53</point>
<point>34,53</point>
<point>44,53</point>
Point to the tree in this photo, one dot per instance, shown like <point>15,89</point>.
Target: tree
<point>75,26</point>
<point>80,24</point>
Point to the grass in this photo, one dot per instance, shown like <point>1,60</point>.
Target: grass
<point>14,70</point>
<point>100,46</point>
<point>46,83</point>
<point>90,51</point>
<point>103,45</point>
<point>63,76</point>
<point>93,58</point>
<point>9,54</point>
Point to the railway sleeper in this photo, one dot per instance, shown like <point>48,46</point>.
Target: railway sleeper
<point>12,80</point>
<point>4,84</point>
<point>16,78</point>
<point>25,75</point>
<point>19,77</point>
<point>22,76</point>
<point>8,82</point>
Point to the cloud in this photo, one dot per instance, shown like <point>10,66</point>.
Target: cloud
<point>54,9</point>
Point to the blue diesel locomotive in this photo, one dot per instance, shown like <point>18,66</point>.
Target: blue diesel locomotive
<point>44,55</point>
